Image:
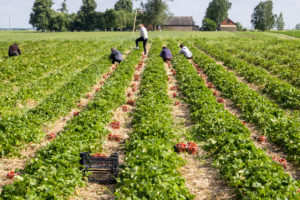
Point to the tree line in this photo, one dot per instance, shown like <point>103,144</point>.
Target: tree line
<point>44,18</point>
<point>262,18</point>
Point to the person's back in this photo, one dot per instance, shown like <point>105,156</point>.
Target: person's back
<point>14,50</point>
<point>185,51</point>
<point>166,54</point>
<point>116,56</point>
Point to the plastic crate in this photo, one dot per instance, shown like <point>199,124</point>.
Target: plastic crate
<point>100,169</point>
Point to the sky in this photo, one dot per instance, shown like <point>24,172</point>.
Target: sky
<point>19,10</point>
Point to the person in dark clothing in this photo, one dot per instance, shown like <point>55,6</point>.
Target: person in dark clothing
<point>115,56</point>
<point>14,50</point>
<point>166,54</point>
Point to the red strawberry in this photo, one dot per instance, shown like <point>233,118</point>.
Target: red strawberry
<point>133,89</point>
<point>283,162</point>
<point>110,136</point>
<point>180,147</point>
<point>215,93</point>
<point>100,155</point>
<point>101,82</point>
<point>115,125</point>
<point>262,138</point>
<point>116,138</point>
<point>129,94</point>
<point>88,96</point>
<point>76,113</point>
<point>124,108</point>
<point>177,103</point>
<point>174,88</point>
<point>108,73</point>
<point>131,102</point>
<point>220,100</point>
<point>244,123</point>
<point>133,85</point>
<point>51,136</point>
<point>10,175</point>
<point>196,65</point>
<point>174,94</point>
<point>192,148</point>
<point>105,76</point>
<point>97,89</point>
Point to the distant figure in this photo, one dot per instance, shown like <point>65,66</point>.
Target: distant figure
<point>14,50</point>
<point>184,50</point>
<point>115,55</point>
<point>144,38</point>
<point>166,54</point>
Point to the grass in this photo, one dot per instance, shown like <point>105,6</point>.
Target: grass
<point>289,33</point>
<point>16,36</point>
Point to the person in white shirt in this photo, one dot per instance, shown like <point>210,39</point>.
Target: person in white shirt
<point>143,38</point>
<point>184,50</point>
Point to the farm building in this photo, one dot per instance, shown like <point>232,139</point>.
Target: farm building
<point>227,25</point>
<point>180,24</point>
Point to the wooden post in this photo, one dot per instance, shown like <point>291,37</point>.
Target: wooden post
<point>293,34</point>
<point>133,30</point>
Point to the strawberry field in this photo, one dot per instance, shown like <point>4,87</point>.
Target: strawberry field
<point>222,125</point>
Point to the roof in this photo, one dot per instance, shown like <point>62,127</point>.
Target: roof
<point>227,21</point>
<point>179,21</point>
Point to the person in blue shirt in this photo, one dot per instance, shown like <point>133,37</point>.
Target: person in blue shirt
<point>115,56</point>
<point>166,54</point>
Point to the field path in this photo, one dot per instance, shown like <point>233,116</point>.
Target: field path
<point>11,164</point>
<point>202,179</point>
<point>271,149</point>
<point>123,115</point>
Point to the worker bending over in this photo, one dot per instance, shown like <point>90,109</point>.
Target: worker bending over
<point>14,50</point>
<point>166,54</point>
<point>115,55</point>
<point>184,50</point>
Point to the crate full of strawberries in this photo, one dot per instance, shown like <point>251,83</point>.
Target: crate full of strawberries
<point>190,147</point>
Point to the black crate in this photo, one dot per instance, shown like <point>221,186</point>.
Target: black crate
<point>100,169</point>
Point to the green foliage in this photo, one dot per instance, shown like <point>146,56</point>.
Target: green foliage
<point>54,172</point>
<point>41,14</point>
<point>155,12</point>
<point>86,16</point>
<point>297,27</point>
<point>244,166</point>
<point>209,25</point>
<point>279,23</point>
<point>125,5</point>
<point>151,163</point>
<point>262,17</point>
<point>239,26</point>
<point>218,10</point>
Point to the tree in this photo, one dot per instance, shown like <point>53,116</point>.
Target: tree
<point>41,14</point>
<point>59,21</point>
<point>279,23</point>
<point>63,8</point>
<point>86,16</point>
<point>262,17</point>
<point>297,27</point>
<point>155,12</point>
<point>218,10</point>
<point>239,26</point>
<point>124,5</point>
<point>110,17</point>
<point>123,19</point>
<point>208,25</point>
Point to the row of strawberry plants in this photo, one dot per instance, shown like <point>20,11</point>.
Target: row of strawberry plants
<point>282,92</point>
<point>270,119</point>
<point>37,59</point>
<point>271,65</point>
<point>17,130</point>
<point>54,172</point>
<point>281,51</point>
<point>246,168</point>
<point>36,90</point>
<point>151,165</point>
